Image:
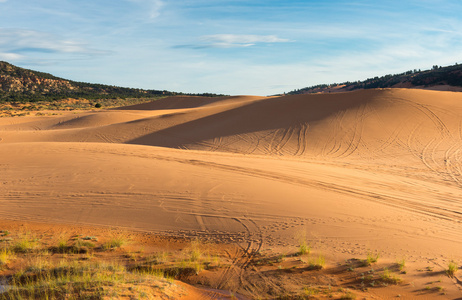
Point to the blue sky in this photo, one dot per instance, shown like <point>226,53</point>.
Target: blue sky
<point>230,47</point>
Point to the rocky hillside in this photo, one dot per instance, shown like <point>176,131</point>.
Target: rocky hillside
<point>21,85</point>
<point>449,78</point>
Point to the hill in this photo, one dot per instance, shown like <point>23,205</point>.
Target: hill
<point>23,85</point>
<point>439,78</point>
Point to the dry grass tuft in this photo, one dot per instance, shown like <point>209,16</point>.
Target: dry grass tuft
<point>117,240</point>
<point>452,269</point>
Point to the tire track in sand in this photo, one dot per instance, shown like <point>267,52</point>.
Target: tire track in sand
<point>243,257</point>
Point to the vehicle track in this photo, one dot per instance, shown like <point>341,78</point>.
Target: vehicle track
<point>286,136</point>
<point>354,142</point>
<point>242,258</point>
<point>270,148</point>
<point>414,205</point>
<point>336,124</point>
<point>302,139</point>
<point>453,169</point>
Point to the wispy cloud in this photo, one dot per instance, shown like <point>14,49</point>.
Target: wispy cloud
<point>17,43</point>
<point>2,1</point>
<point>10,56</point>
<point>233,41</point>
<point>153,7</point>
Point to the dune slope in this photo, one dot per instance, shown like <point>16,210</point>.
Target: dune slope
<point>375,169</point>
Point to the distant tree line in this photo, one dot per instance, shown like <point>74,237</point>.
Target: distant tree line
<point>451,75</point>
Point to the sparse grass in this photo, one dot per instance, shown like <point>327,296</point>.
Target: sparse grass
<point>194,258</point>
<point>37,264</point>
<point>116,241</point>
<point>131,256</point>
<point>81,246</point>
<point>195,265</point>
<point>77,280</point>
<point>25,243</point>
<point>5,257</point>
<point>76,274</point>
<point>61,269</point>
<point>161,257</point>
<point>389,277</point>
<point>78,245</point>
<point>303,247</point>
<point>310,291</point>
<point>195,252</point>
<point>317,263</point>
<point>348,295</point>
<point>191,261</point>
<point>370,259</point>
<point>62,244</point>
<point>452,269</point>
<point>401,264</point>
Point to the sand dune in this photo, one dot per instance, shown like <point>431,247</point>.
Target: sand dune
<point>374,169</point>
<point>363,125</point>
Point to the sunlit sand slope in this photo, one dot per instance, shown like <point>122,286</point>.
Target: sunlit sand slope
<point>264,200</point>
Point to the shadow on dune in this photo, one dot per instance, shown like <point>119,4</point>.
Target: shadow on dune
<point>266,114</point>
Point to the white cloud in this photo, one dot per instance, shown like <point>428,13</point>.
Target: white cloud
<point>20,41</point>
<point>244,40</point>
<point>233,41</point>
<point>3,1</point>
<point>10,56</point>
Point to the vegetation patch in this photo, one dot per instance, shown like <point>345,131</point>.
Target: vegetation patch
<point>370,259</point>
<point>81,280</point>
<point>25,243</point>
<point>116,241</point>
<point>452,269</point>
<point>5,257</point>
<point>316,263</point>
<point>401,264</point>
<point>389,277</point>
<point>82,267</point>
